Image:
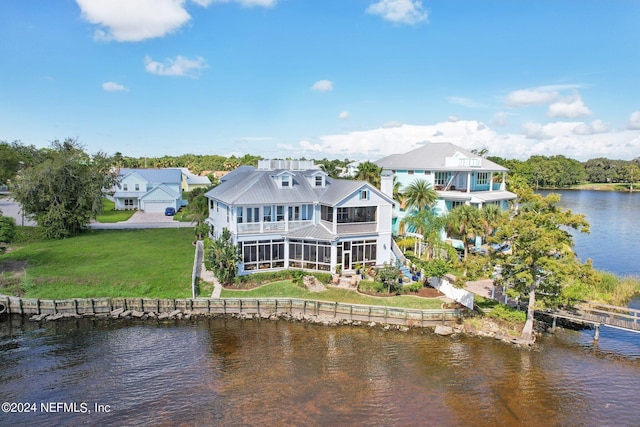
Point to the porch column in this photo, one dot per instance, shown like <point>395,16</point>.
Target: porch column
<point>469,178</point>
<point>286,253</point>
<point>490,181</point>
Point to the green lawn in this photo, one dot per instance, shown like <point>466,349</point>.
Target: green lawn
<point>110,215</point>
<point>153,263</point>
<point>287,289</point>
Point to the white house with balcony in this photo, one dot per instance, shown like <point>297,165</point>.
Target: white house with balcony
<point>458,176</point>
<point>290,214</point>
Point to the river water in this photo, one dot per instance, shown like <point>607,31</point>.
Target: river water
<point>234,372</point>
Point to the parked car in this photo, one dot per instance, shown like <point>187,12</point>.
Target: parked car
<point>170,211</point>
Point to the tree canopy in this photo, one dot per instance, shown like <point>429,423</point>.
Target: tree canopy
<point>419,194</point>
<point>64,192</point>
<point>542,249</point>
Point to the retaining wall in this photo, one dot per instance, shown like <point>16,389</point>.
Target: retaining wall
<point>262,307</point>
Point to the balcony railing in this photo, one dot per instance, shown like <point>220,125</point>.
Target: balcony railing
<point>357,227</point>
<point>271,227</point>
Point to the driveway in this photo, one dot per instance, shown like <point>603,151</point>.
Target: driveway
<point>11,208</point>
<point>143,220</point>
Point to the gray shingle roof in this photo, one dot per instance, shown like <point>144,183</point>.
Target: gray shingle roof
<point>432,156</point>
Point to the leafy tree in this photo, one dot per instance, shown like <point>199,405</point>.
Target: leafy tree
<point>64,192</point>
<point>222,257</point>
<point>436,268</point>
<point>630,174</point>
<point>9,163</point>
<point>388,276</point>
<point>542,254</point>
<point>420,194</point>
<point>369,172</point>
<point>7,231</point>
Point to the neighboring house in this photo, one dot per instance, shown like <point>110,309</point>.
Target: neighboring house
<point>458,176</point>
<point>149,190</point>
<point>290,214</point>
<point>191,181</point>
<point>351,170</point>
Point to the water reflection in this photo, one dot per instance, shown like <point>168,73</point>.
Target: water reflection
<point>232,372</point>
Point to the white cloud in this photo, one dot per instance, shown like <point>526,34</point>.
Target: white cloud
<point>246,3</point>
<point>180,67</point>
<point>323,86</point>
<point>596,126</point>
<point>392,124</point>
<point>133,20</point>
<point>500,118</point>
<point>570,107</point>
<point>557,138</point>
<point>634,120</point>
<point>465,102</point>
<point>534,131</point>
<point>526,97</point>
<point>344,115</point>
<point>453,119</point>
<point>399,11</point>
<point>113,87</point>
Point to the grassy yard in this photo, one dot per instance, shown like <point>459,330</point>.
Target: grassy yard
<point>110,215</point>
<point>287,289</point>
<point>104,263</point>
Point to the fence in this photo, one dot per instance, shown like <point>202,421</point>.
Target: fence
<point>262,307</point>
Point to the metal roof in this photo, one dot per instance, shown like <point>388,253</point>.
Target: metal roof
<point>258,187</point>
<point>312,232</point>
<point>433,156</point>
<point>156,176</point>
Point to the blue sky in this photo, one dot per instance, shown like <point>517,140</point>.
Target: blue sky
<point>356,79</point>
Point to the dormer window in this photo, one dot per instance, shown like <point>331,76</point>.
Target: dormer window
<point>286,181</point>
<point>364,194</point>
<point>319,181</point>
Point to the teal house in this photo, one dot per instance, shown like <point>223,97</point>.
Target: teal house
<point>458,176</point>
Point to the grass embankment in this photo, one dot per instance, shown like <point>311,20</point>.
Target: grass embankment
<point>104,263</point>
<point>110,215</point>
<point>287,289</point>
<point>604,186</point>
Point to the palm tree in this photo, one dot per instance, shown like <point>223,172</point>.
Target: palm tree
<point>427,223</point>
<point>420,194</point>
<point>397,191</point>
<point>369,172</point>
<point>464,222</point>
<point>491,216</point>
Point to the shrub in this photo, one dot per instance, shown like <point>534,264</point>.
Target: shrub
<point>411,288</point>
<point>370,286</point>
<point>507,313</point>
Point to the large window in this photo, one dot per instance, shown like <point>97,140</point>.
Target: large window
<point>326,213</point>
<point>442,178</point>
<point>361,252</point>
<point>482,178</point>
<point>279,213</point>
<point>253,214</point>
<point>266,214</point>
<point>310,255</point>
<point>128,203</point>
<point>294,213</point>
<point>239,215</point>
<point>261,255</point>
<point>357,214</point>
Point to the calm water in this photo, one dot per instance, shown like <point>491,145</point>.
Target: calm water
<point>232,372</point>
<point>613,243</point>
<point>237,372</point>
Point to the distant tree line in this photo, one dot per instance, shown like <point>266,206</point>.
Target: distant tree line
<point>538,171</point>
<point>560,171</point>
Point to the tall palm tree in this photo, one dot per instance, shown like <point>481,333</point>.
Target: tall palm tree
<point>397,191</point>
<point>420,194</point>
<point>464,222</point>
<point>369,172</point>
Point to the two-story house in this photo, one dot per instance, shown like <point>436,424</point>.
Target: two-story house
<point>149,190</point>
<point>458,176</point>
<point>290,214</point>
